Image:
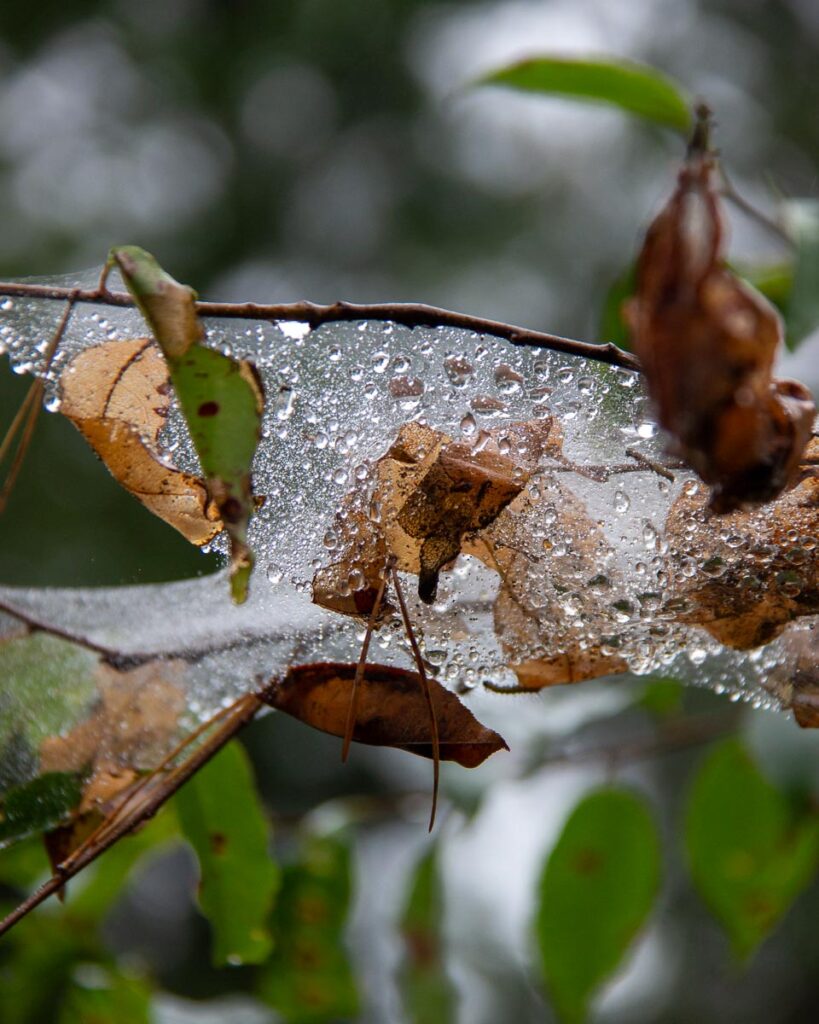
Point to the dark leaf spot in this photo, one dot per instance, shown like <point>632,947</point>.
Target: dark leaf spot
<point>208,409</point>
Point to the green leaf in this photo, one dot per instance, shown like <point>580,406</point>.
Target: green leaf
<point>429,996</point>
<point>750,855</point>
<point>633,87</point>
<point>613,326</point>
<point>662,697</point>
<point>308,980</point>
<point>802,312</point>
<point>774,281</point>
<point>39,804</point>
<point>47,685</point>
<point>103,996</point>
<point>221,817</point>
<point>595,892</point>
<point>221,398</point>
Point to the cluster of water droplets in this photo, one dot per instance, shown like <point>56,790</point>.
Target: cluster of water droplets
<point>336,398</point>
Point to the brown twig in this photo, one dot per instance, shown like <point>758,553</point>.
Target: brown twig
<point>419,661</point>
<point>408,314</point>
<point>27,414</point>
<point>730,193</point>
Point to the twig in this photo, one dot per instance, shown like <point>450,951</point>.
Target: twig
<point>26,418</point>
<point>408,314</point>
<point>242,712</point>
<point>730,193</point>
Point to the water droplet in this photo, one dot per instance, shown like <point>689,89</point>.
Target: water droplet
<point>334,355</point>
<point>380,361</point>
<point>274,573</point>
<point>622,502</point>
<point>468,424</point>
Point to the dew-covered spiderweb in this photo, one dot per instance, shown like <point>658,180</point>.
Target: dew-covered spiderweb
<point>609,562</point>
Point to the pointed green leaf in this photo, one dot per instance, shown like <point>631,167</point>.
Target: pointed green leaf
<point>429,996</point>
<point>802,311</point>
<point>596,890</point>
<point>750,855</point>
<point>635,88</point>
<point>221,398</point>
<point>308,979</point>
<point>221,817</point>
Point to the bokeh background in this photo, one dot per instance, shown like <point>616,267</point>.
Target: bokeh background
<point>323,149</point>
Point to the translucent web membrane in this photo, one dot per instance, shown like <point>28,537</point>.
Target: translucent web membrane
<point>605,562</point>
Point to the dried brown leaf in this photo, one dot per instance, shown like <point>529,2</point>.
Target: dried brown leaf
<point>116,394</point>
<point>751,574</point>
<point>707,342</point>
<point>391,710</point>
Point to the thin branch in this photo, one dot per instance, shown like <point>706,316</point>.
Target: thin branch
<point>408,314</point>
<point>27,414</point>
<point>730,193</point>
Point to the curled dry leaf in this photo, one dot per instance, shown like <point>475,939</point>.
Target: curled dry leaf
<point>431,493</point>
<point>117,395</point>
<point>391,710</point>
<point>554,614</point>
<point>494,499</point>
<point>746,579</point>
<point>707,342</point>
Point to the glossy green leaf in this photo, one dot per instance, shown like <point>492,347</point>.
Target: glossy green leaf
<point>221,398</point>
<point>802,311</point>
<point>429,996</point>
<point>221,817</point>
<point>632,87</point>
<point>596,890</point>
<point>39,804</point>
<point>308,979</point>
<point>750,854</point>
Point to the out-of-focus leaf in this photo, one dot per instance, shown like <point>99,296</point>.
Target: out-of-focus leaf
<point>613,325</point>
<point>47,683</point>
<point>92,900</point>
<point>662,697</point>
<point>391,710</point>
<point>775,282</point>
<point>595,892</point>
<point>221,817</point>
<point>39,804</point>
<point>102,995</point>
<point>429,996</point>
<point>750,854</point>
<point>221,398</point>
<point>632,87</point>
<point>308,980</point>
<point>802,314</point>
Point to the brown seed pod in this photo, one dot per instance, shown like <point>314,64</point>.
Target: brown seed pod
<point>707,342</point>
